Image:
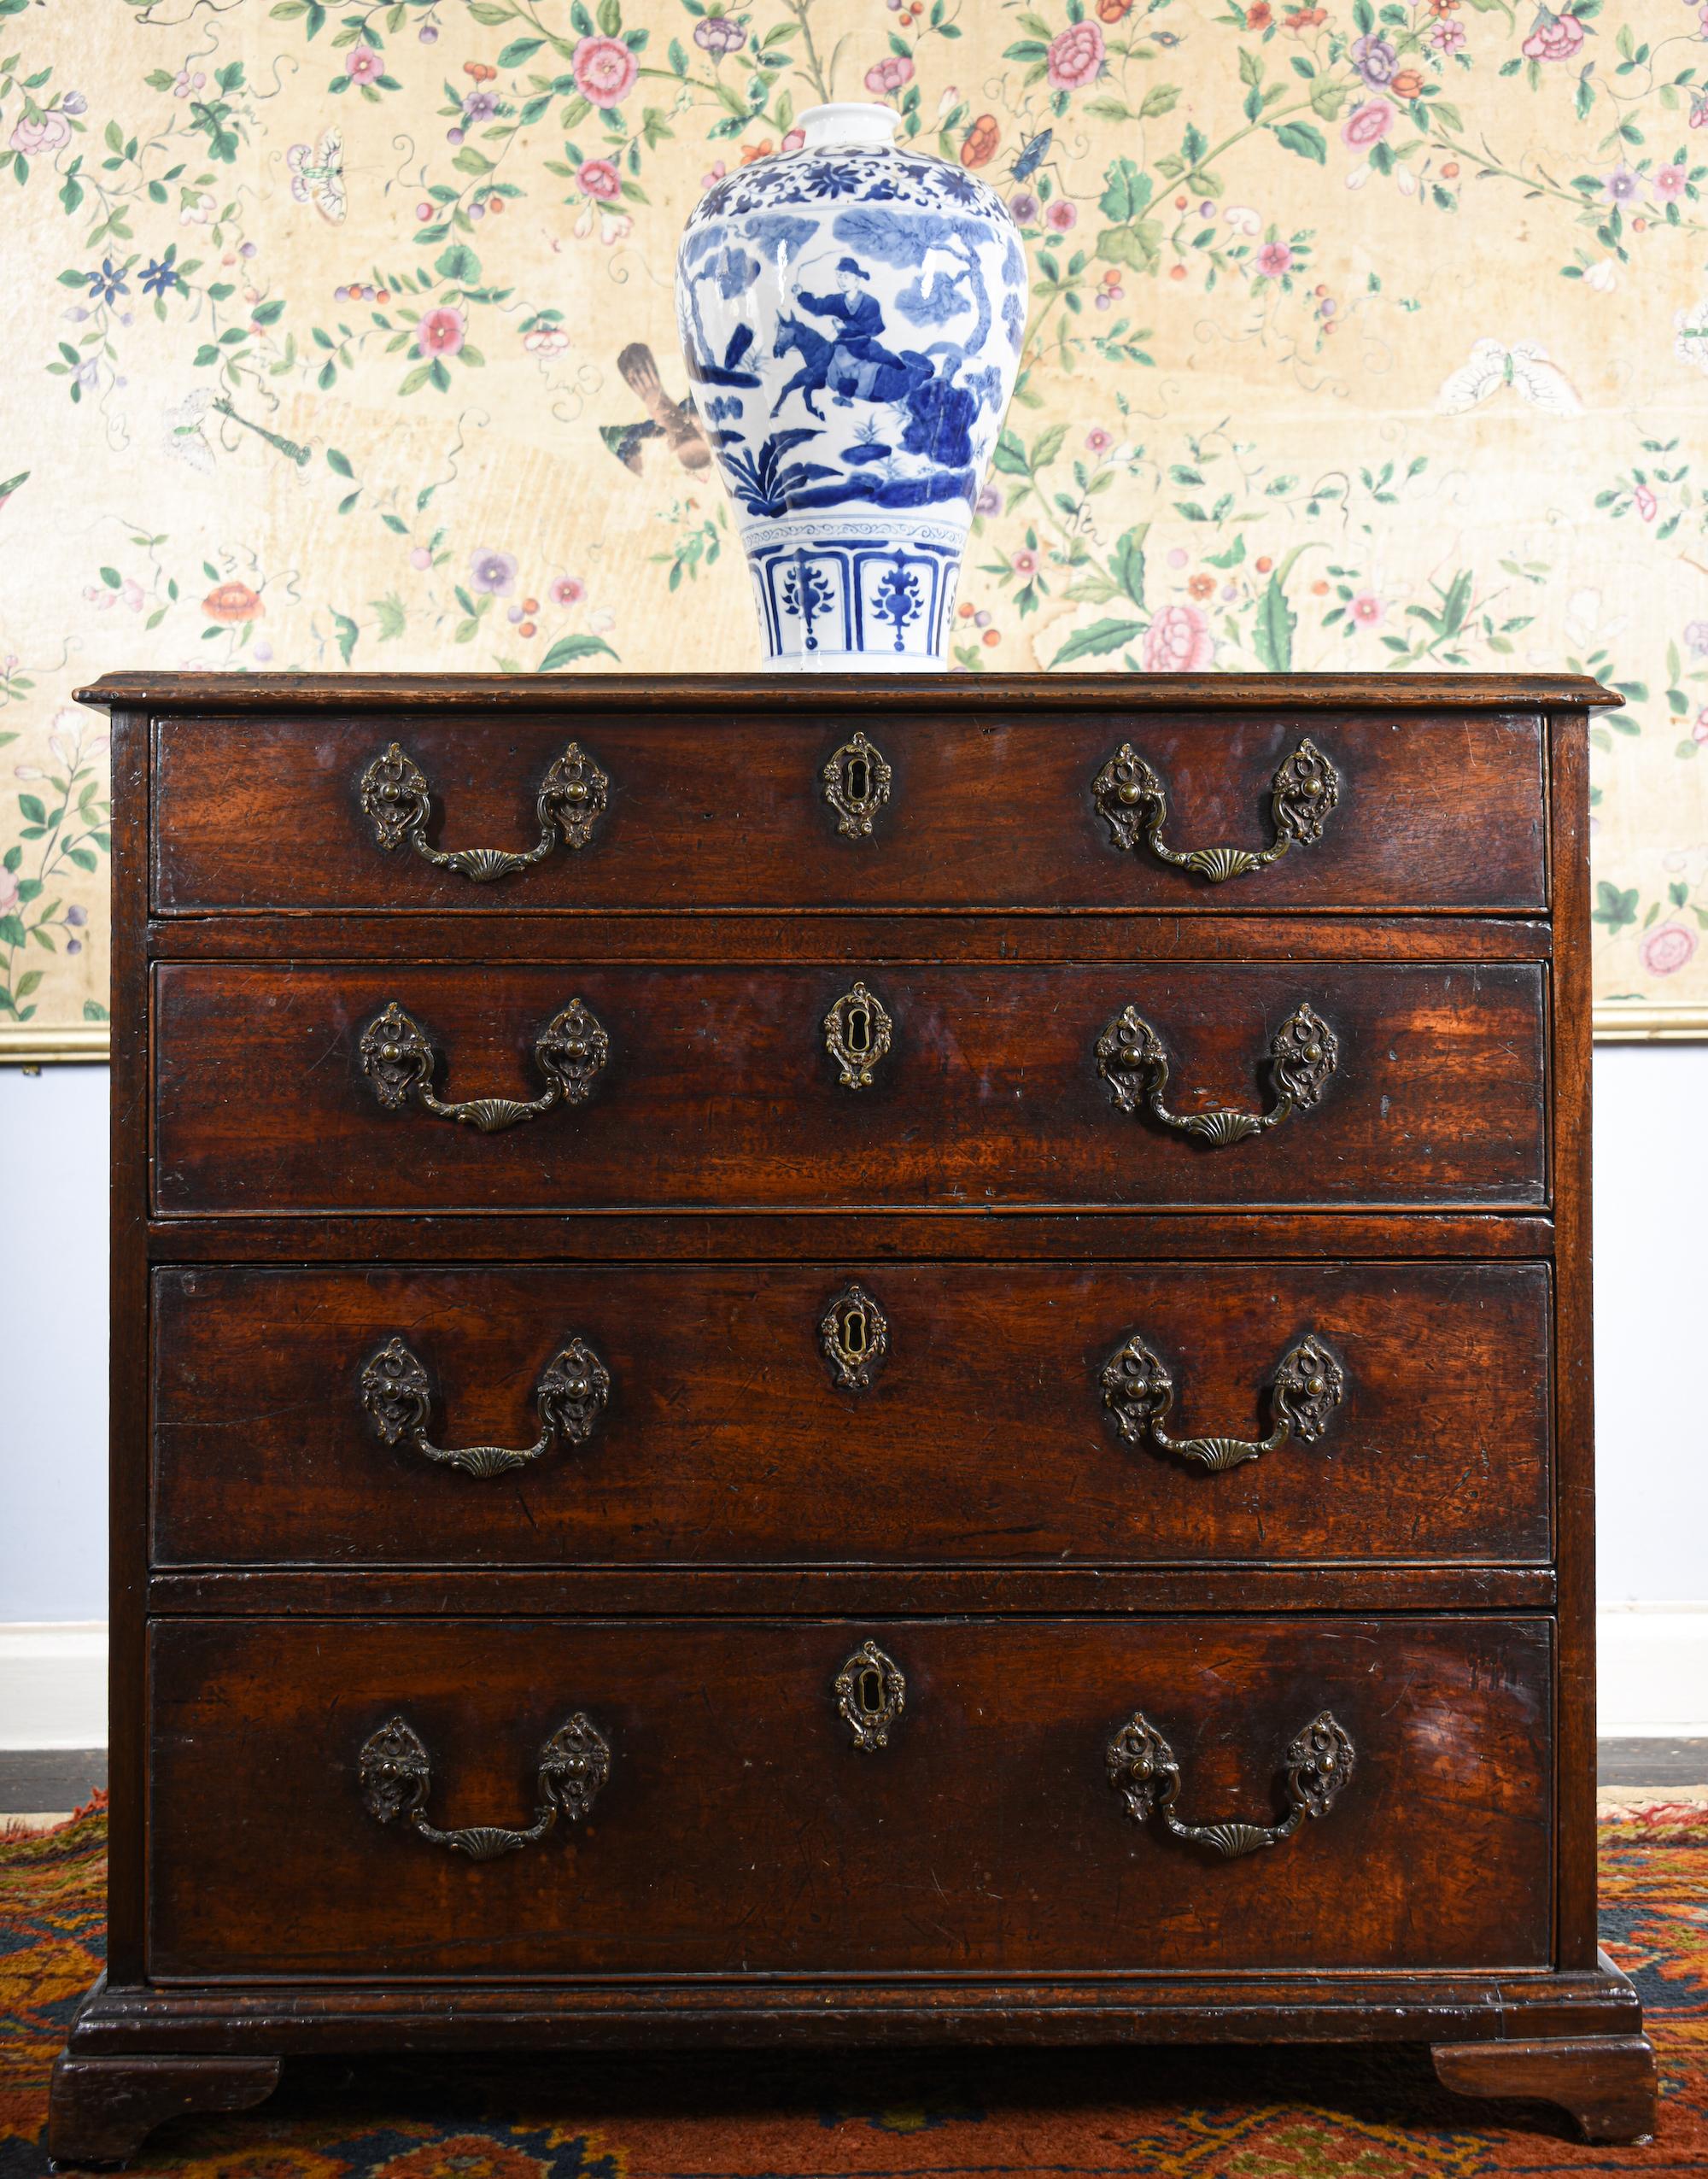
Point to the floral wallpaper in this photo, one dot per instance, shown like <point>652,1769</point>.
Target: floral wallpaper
<point>1367,336</point>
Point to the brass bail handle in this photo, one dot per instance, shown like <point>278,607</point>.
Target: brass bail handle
<point>1143,1770</point>
<point>1304,1392</point>
<point>397,802</point>
<point>399,1060</point>
<point>1134,802</point>
<point>395,1776</point>
<point>1133,1060</point>
<point>569,1396</point>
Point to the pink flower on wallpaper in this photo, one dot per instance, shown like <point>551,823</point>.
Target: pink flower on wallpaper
<point>1669,183</point>
<point>1666,949</point>
<point>1646,504</point>
<point>1179,640</point>
<point>1024,563</point>
<point>568,590</point>
<point>1367,609</point>
<point>604,70</point>
<point>1555,38</point>
<point>363,65</point>
<point>1076,57</point>
<point>1098,441</point>
<point>441,331</point>
<point>599,177</point>
<point>43,135</point>
<point>889,75</point>
<point>1448,38</point>
<point>1274,259</point>
<point>1061,215</point>
<point>1367,124</point>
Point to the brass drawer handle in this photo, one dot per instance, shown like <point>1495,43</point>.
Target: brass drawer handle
<point>397,1777</point>
<point>398,1396</point>
<point>1304,1393</point>
<point>857,1034</point>
<point>397,802</point>
<point>856,785</point>
<point>870,1694</point>
<point>1133,799</point>
<point>1142,1769</point>
<point>1303,1053</point>
<point>399,1060</point>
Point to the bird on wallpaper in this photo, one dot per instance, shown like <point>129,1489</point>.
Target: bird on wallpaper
<point>673,422</point>
<point>1525,367</point>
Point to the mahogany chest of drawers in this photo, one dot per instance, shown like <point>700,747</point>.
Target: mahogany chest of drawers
<point>831,1361</point>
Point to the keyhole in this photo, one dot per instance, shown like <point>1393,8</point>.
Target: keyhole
<point>857,782</point>
<point>854,1332</point>
<point>859,1029</point>
<point>869,1688</point>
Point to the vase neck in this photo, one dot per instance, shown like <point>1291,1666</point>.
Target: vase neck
<point>850,126</point>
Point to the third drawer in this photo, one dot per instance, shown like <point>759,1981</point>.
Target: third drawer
<point>739,1414</point>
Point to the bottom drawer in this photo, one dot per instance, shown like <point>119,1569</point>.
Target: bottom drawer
<point>736,1825</point>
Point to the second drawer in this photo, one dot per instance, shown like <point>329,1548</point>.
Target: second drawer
<point>900,1413</point>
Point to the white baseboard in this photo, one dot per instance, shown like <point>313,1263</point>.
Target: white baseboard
<point>1652,1672</point>
<point>1654,1679</point>
<point>53,1685</point>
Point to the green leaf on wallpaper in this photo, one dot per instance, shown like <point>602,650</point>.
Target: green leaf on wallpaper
<point>1010,455</point>
<point>1127,562</point>
<point>1328,97</point>
<point>1613,908</point>
<point>348,633</point>
<point>339,463</point>
<point>33,810</point>
<point>1140,246</point>
<point>1127,191</point>
<point>1301,137</point>
<point>27,983</point>
<point>94,1011</point>
<point>1272,631</point>
<point>568,648</point>
<point>1102,636</point>
<point>1162,98</point>
<point>518,50</point>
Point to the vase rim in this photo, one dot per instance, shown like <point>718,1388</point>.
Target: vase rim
<point>848,124</point>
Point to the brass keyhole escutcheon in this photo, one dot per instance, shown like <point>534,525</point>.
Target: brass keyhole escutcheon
<point>856,781</point>
<point>857,1032</point>
<point>854,1336</point>
<point>871,1694</point>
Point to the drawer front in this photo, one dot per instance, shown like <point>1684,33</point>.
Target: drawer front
<point>741,1088</point>
<point>952,1413</point>
<point>738,1827</point>
<point>1428,811</point>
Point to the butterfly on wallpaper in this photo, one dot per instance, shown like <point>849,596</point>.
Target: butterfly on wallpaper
<point>1525,367</point>
<point>672,421</point>
<point>1032,155</point>
<point>317,175</point>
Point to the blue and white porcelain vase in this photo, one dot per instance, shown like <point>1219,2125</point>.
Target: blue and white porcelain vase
<point>851,313</point>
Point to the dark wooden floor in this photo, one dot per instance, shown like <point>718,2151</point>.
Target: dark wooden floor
<point>62,1779</point>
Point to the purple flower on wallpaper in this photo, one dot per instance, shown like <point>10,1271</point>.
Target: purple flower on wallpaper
<point>1023,206</point>
<point>1622,185</point>
<point>1696,638</point>
<point>492,572</point>
<point>989,501</point>
<point>1375,60</point>
<point>480,106</point>
<point>717,35</point>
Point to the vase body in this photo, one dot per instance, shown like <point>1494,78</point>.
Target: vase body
<point>851,314</point>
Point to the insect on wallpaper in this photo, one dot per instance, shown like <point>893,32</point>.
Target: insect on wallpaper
<point>1368,335</point>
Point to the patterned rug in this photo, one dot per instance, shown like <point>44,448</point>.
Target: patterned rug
<point>1370,2114</point>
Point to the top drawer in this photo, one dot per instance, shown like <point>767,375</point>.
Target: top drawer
<point>831,809</point>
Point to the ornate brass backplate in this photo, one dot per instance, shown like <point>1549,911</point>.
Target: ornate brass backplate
<point>398,1058</point>
<point>856,786</point>
<point>871,1694</point>
<point>396,1777</point>
<point>1133,1060</point>
<point>857,1032</point>
<point>1302,797</point>
<point>570,1395</point>
<point>1144,1770</point>
<point>854,1336</point>
<point>397,801</point>
<point>1304,1393</point>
